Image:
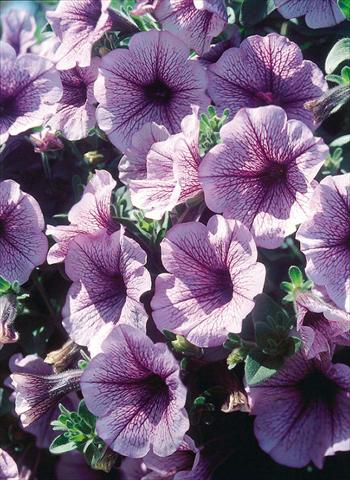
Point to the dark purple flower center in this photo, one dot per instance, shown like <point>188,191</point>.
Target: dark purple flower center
<point>224,285</point>
<point>155,385</point>
<point>347,241</point>
<point>274,173</point>
<point>5,105</point>
<point>157,92</point>
<point>267,98</point>
<point>2,227</point>
<point>317,387</point>
<point>119,283</point>
<point>312,319</point>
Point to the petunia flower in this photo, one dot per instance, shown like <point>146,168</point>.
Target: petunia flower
<point>75,114</point>
<point>23,245</point>
<point>30,87</point>
<point>262,173</point>
<point>91,214</point>
<point>152,81</point>
<point>302,412</point>
<point>18,30</point>
<point>109,278</point>
<point>318,13</point>
<point>37,393</point>
<point>171,171</point>
<point>320,324</point>
<point>325,238</point>
<point>212,280</point>
<point>46,141</point>
<point>78,25</point>
<point>266,71</point>
<point>8,467</point>
<point>134,389</point>
<point>214,53</point>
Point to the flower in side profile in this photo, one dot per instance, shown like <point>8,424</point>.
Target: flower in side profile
<point>151,81</point>
<point>46,141</point>
<point>30,88</point>
<point>8,467</point>
<point>78,25</point>
<point>91,214</point>
<point>262,173</point>
<point>318,13</point>
<point>18,30</point>
<point>266,71</point>
<point>23,245</point>
<point>212,280</point>
<point>134,389</point>
<point>302,412</point>
<point>109,278</point>
<point>75,114</point>
<point>325,239</point>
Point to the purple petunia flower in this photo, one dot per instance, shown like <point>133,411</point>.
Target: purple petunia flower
<point>152,81</point>
<point>302,412</point>
<point>37,393</point>
<point>266,71</point>
<point>109,278</point>
<point>46,141</point>
<point>91,214</point>
<point>318,13</point>
<point>8,467</point>
<point>215,52</point>
<point>29,89</point>
<point>320,324</point>
<point>213,279</point>
<point>262,173</point>
<point>325,238</point>
<point>75,114</point>
<point>23,245</point>
<point>18,30</point>
<point>78,25</point>
<point>134,389</point>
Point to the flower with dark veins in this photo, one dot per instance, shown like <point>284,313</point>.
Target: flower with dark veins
<point>8,467</point>
<point>18,30</point>
<point>318,13</point>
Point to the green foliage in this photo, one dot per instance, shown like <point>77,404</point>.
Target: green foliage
<point>255,11</point>
<point>296,284</point>
<point>338,54</point>
<point>186,348</point>
<point>209,130</point>
<point>344,5</point>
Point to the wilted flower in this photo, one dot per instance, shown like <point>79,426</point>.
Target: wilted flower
<point>8,467</point>
<point>152,81</point>
<point>75,114</point>
<point>79,25</point>
<point>23,245</point>
<point>318,13</point>
<point>8,311</point>
<point>266,71</point>
<point>325,238</point>
<point>18,30</point>
<point>302,412</point>
<point>37,393</point>
<point>91,214</point>
<point>134,389</point>
<point>30,88</point>
<point>109,278</point>
<point>46,141</point>
<point>213,279</point>
<point>262,173</point>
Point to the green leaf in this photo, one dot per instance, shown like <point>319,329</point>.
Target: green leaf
<point>260,367</point>
<point>86,415</point>
<point>345,74</point>
<point>62,444</point>
<point>296,276</point>
<point>4,285</point>
<point>255,11</point>
<point>338,54</point>
<point>344,6</point>
<point>334,78</point>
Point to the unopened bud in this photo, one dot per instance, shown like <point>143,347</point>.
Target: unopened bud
<point>61,359</point>
<point>8,310</point>
<point>329,102</point>
<point>181,345</point>
<point>93,157</point>
<point>46,141</point>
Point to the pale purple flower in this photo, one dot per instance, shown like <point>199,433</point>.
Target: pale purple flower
<point>302,412</point>
<point>266,71</point>
<point>318,13</point>
<point>18,30</point>
<point>134,389</point>
<point>23,245</point>
<point>325,239</point>
<point>91,214</point>
<point>75,114</point>
<point>152,81</point>
<point>37,393</point>
<point>29,89</point>
<point>46,141</point>
<point>215,51</point>
<point>212,280</point>
<point>171,171</point>
<point>79,24</point>
<point>109,278</point>
<point>321,324</point>
<point>262,173</point>
<point>8,467</point>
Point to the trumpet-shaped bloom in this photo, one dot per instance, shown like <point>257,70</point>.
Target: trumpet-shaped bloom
<point>262,173</point>
<point>78,25</point>
<point>18,30</point>
<point>318,13</point>
<point>29,89</point>
<point>212,280</point>
<point>109,278</point>
<point>23,245</point>
<point>8,467</point>
<point>75,114</point>
<point>134,389</point>
<point>325,239</point>
<point>152,81</point>
<point>302,412</point>
<point>91,214</point>
<point>266,71</point>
